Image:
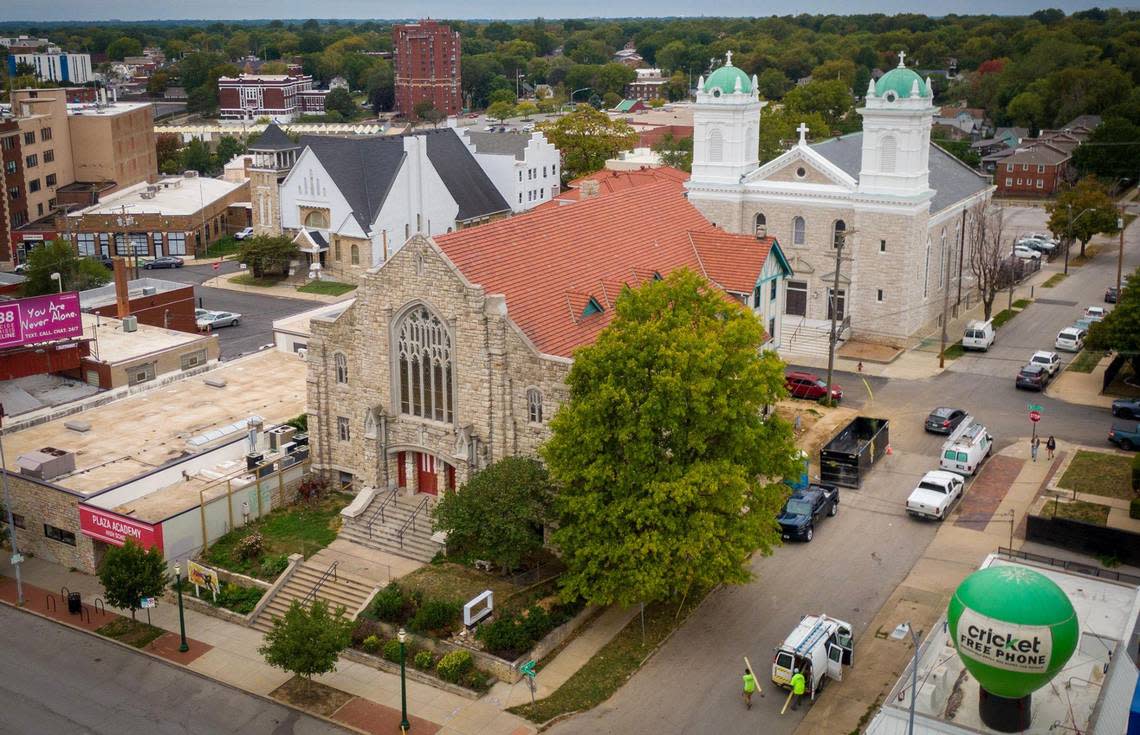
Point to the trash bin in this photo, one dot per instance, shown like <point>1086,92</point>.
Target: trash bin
<point>74,603</point>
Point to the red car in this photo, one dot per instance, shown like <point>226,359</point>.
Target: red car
<point>809,385</point>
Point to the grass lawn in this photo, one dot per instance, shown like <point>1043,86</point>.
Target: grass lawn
<point>327,288</point>
<point>248,279</point>
<point>1078,510</point>
<point>1054,280</point>
<point>1086,361</point>
<point>451,581</point>
<point>131,632</point>
<point>226,246</point>
<point>1003,316</point>
<point>603,674</point>
<point>954,351</point>
<point>304,528</point>
<point>1099,473</point>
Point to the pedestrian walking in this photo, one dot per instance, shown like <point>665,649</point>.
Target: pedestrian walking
<point>1033,444</point>
<point>749,687</point>
<point>1051,446</point>
<point>799,686</point>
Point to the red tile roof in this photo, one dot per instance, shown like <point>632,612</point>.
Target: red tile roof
<point>550,262</point>
<point>610,181</point>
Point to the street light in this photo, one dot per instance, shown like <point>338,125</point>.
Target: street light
<point>1120,257</point>
<point>1069,240</point>
<point>183,647</point>
<point>59,280</point>
<point>576,91</point>
<point>402,636</point>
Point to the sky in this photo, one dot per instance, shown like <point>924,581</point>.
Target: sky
<point>96,10</point>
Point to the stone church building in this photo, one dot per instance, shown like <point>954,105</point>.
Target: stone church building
<point>456,350</point>
<point>898,200</point>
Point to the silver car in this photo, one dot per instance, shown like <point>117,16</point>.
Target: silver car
<point>216,319</point>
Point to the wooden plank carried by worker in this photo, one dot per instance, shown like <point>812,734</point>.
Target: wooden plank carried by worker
<point>748,666</point>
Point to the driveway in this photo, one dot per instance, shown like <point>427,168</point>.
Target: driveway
<point>258,311</point>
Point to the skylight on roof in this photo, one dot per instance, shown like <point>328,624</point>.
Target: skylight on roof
<point>592,307</point>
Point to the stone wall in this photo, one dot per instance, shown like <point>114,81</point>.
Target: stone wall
<point>41,503</point>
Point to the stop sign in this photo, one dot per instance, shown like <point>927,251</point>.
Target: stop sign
<point>1035,416</point>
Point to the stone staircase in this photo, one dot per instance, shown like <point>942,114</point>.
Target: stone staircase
<point>416,542</point>
<point>343,589</point>
<point>805,338</point>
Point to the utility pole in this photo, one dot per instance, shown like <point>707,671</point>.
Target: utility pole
<point>839,241</point>
<point>1069,239</point>
<point>1120,256</point>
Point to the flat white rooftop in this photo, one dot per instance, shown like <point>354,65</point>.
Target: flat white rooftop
<point>108,110</point>
<point>176,195</point>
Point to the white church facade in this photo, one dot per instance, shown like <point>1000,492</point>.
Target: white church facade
<point>897,202</point>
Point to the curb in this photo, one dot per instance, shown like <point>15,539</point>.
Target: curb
<point>187,669</point>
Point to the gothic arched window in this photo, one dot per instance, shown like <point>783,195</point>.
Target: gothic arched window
<point>317,220</point>
<point>838,232</point>
<point>761,225</point>
<point>799,235</point>
<point>341,367</point>
<point>534,405</point>
<point>424,365</point>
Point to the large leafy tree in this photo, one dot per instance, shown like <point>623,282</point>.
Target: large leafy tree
<point>674,152</point>
<point>265,255</point>
<point>129,573</point>
<point>668,475</point>
<point>1120,329</point>
<point>587,138</point>
<point>778,130</point>
<point>499,514</point>
<point>58,256</point>
<point>1081,212</point>
<point>1112,151</point>
<point>307,641</point>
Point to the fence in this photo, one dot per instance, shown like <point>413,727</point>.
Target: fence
<point>1067,564</point>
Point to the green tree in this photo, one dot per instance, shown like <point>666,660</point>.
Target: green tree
<point>772,83</point>
<point>500,111</point>
<point>169,151</point>
<point>196,156</point>
<point>1111,152</point>
<point>124,47</point>
<point>265,255</point>
<point>674,152</point>
<point>668,475</point>
<point>1119,331</point>
<point>516,492</point>
<point>778,130</point>
<point>502,95</point>
<point>828,97</point>
<point>1027,109</point>
<point>1081,212</point>
<point>58,256</point>
<point>587,139</point>
<point>228,147</point>
<point>424,110</point>
<point>157,83</point>
<point>307,642</point>
<point>526,109</point>
<point>339,100</point>
<point>128,574</point>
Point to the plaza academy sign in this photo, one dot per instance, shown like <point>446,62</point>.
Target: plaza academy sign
<point>1014,629</point>
<point>103,525</point>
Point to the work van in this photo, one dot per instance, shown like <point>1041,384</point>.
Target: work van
<point>819,646</point>
<point>978,335</point>
<point>966,448</point>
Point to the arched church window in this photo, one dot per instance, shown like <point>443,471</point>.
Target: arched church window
<point>716,145</point>
<point>424,365</point>
<point>534,405</point>
<point>888,151</point>
<point>926,270</point>
<point>838,232</point>
<point>761,227</point>
<point>341,367</point>
<point>942,261</point>
<point>317,220</point>
<point>799,236</point>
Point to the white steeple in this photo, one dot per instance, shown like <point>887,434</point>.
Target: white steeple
<point>897,117</point>
<point>726,125</point>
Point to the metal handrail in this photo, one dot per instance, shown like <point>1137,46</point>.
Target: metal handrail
<point>313,592</point>
<point>380,510</point>
<point>411,521</point>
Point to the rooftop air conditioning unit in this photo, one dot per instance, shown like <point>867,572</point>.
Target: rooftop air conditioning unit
<point>151,188</point>
<point>302,353</point>
<point>130,324</point>
<point>149,290</point>
<point>46,463</point>
<point>147,195</point>
<point>190,174</point>
<point>279,436</point>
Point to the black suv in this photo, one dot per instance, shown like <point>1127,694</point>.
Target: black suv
<point>1032,377</point>
<point>1126,408</point>
<point>805,508</point>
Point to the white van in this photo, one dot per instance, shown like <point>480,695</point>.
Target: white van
<point>978,335</point>
<point>1070,339</point>
<point>819,646</point>
<point>964,451</point>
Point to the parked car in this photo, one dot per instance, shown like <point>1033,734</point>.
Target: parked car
<point>1084,324</point>
<point>1111,295</point>
<point>810,386</point>
<point>201,313</point>
<point>243,233</point>
<point>1126,408</point>
<point>1125,434</point>
<point>1041,246</point>
<point>1070,339</point>
<point>215,319</point>
<point>805,508</point>
<point>1032,377</point>
<point>937,491</point>
<point>163,261</point>
<point>1096,313</point>
<point>978,335</point>
<point>1043,236</point>
<point>944,420</point>
<point>20,268</point>
<point>1025,252</point>
<point>1051,361</point>
<point>105,260</point>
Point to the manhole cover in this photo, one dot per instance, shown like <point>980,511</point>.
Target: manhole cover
<point>1055,302</point>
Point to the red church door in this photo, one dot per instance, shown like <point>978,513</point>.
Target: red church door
<point>426,477</point>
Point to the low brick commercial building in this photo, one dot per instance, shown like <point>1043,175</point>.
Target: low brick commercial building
<point>179,215</point>
<point>1037,171</point>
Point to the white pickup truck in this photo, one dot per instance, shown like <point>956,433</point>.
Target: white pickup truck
<point>936,493</point>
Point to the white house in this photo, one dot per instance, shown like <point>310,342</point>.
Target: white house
<point>523,167</point>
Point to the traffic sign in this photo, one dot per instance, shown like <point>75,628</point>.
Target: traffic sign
<point>1035,416</point>
<point>527,669</point>
<point>1033,407</point>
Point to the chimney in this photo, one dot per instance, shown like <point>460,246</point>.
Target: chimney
<point>588,189</point>
<point>122,290</point>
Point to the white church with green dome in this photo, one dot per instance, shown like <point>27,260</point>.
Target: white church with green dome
<point>899,201</point>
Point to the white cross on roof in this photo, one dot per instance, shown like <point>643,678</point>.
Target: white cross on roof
<point>902,59</point>
<point>802,130</point>
<point>728,56</point>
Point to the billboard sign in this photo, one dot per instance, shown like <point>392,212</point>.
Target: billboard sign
<point>113,528</point>
<point>202,576</point>
<point>40,319</point>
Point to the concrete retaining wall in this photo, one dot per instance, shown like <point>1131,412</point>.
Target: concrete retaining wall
<point>1084,537</point>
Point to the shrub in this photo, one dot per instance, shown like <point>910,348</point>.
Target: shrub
<point>272,566</point>
<point>388,605</point>
<point>435,616</point>
<point>392,651</point>
<point>1136,474</point>
<point>238,598</point>
<point>476,679</point>
<point>363,630</point>
<point>536,624</point>
<point>1134,508</point>
<point>251,546</point>
<point>453,666</point>
<point>507,637</point>
<point>424,660</point>
<point>371,644</point>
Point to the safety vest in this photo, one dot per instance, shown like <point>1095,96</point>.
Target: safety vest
<point>799,684</point>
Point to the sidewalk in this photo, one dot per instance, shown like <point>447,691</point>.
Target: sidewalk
<point>280,290</point>
<point>1082,388</point>
<point>233,659</point>
<point>979,525</point>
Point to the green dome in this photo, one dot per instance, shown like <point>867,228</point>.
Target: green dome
<point>725,78</point>
<point>900,81</point>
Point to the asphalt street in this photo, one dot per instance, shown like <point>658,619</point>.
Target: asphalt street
<point>258,311</point>
<point>57,680</point>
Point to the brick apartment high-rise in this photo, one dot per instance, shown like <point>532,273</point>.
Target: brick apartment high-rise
<point>427,67</point>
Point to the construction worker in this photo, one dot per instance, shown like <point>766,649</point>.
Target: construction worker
<point>749,687</point>
<point>799,686</point>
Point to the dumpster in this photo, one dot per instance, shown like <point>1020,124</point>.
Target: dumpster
<point>853,451</point>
